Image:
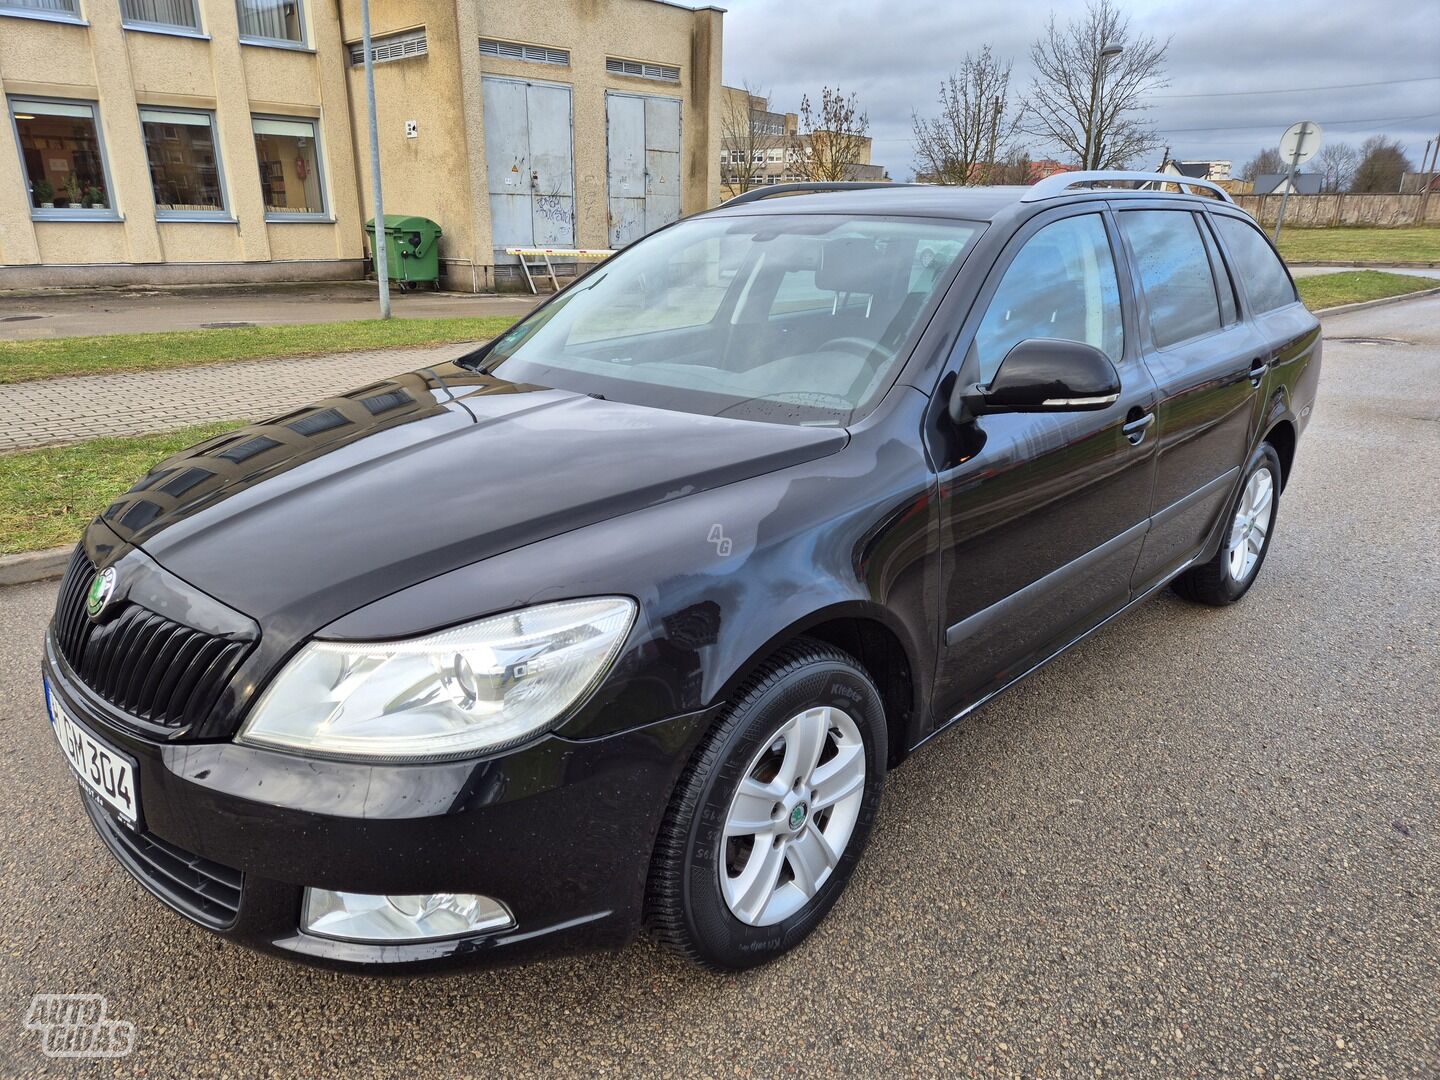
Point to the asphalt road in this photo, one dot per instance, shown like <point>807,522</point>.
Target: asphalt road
<point>1203,843</point>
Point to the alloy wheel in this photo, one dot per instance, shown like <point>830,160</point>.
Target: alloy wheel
<point>792,816</point>
<point>1251,527</point>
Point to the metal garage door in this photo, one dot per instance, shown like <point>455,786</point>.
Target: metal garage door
<point>643,174</point>
<point>529,164</point>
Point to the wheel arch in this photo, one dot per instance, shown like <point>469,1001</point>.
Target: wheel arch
<point>1282,437</point>
<point>881,647</point>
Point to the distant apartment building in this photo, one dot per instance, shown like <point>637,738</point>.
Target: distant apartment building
<point>169,141</point>
<point>759,146</point>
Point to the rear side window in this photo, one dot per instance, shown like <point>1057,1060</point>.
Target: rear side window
<point>1062,285</point>
<point>1175,272</point>
<point>1266,282</point>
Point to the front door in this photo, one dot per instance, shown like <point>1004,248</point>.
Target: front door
<point>1207,363</point>
<point>643,164</point>
<point>529,165</point>
<point>1041,515</point>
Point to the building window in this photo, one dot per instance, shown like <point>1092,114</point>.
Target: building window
<point>184,164</point>
<point>662,72</point>
<point>390,47</point>
<point>57,10</point>
<point>63,158</point>
<point>271,22</point>
<point>182,15</point>
<point>288,152</point>
<point>513,50</point>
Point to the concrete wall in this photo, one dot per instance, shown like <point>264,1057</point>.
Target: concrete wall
<point>440,174</point>
<point>123,70</point>
<point>1389,211</point>
<point>593,30</point>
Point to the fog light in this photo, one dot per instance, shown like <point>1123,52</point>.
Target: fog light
<point>401,919</point>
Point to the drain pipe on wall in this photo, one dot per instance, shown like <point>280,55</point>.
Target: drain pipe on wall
<point>382,268</point>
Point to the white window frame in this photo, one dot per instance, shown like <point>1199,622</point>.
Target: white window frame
<point>74,18</point>
<point>303,45</point>
<point>223,214</point>
<point>284,217</point>
<point>172,29</point>
<point>109,213</point>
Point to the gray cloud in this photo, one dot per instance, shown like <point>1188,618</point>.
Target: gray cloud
<point>894,54</point>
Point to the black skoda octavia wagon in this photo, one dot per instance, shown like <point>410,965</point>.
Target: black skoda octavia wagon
<point>620,620</point>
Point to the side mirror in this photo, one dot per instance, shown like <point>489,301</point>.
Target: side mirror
<point>1042,375</point>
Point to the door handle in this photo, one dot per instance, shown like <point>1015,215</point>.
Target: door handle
<point>1136,426</point>
<point>1257,370</point>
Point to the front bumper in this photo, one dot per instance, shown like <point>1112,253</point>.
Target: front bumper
<point>560,830</point>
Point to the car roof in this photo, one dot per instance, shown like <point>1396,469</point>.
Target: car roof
<point>943,201</point>
<point>911,200</point>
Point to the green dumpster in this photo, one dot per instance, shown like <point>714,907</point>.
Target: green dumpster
<point>412,249</point>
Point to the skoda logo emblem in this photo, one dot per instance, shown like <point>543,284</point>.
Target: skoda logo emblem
<point>797,816</point>
<point>102,588</point>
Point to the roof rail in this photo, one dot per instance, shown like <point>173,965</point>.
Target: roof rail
<point>755,194</point>
<point>1054,186</point>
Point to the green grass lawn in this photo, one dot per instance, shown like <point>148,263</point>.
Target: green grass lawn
<point>1352,286</point>
<point>45,358</point>
<point>1379,247</point>
<point>48,496</point>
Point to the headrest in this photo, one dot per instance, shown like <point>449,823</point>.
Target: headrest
<point>850,264</point>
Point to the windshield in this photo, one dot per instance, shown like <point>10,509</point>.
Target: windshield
<point>798,319</point>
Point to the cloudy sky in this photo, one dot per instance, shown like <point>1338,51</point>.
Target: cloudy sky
<point>894,53</point>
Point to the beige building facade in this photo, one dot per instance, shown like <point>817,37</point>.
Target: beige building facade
<point>180,141</point>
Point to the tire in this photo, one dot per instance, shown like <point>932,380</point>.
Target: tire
<point>699,902</point>
<point>1228,576</point>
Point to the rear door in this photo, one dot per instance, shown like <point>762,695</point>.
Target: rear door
<point>1290,331</point>
<point>1041,515</point>
<point>1207,362</point>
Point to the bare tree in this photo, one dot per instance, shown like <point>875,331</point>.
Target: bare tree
<point>1337,166</point>
<point>976,127</point>
<point>1087,104</point>
<point>1266,161</point>
<point>748,132</point>
<point>834,138</point>
<point>1382,164</point>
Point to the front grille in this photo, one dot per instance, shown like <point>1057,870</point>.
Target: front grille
<point>141,662</point>
<point>197,888</point>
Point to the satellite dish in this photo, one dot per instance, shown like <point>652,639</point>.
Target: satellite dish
<point>1300,143</point>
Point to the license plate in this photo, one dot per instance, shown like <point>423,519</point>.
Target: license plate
<point>102,769</point>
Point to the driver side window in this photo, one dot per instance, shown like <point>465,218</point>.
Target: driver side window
<point>1062,285</point>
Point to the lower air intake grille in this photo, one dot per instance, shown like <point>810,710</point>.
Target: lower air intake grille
<point>197,888</point>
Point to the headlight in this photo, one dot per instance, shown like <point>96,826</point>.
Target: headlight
<point>479,687</point>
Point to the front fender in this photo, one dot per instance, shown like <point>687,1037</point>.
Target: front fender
<point>720,577</point>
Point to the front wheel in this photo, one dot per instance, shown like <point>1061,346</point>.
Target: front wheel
<point>771,814</point>
<point>1228,576</point>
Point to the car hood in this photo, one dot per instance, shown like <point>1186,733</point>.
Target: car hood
<point>303,518</point>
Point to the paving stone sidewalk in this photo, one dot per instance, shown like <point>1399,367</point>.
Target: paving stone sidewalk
<point>50,411</point>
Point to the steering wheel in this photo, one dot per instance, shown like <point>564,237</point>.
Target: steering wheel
<point>861,347</point>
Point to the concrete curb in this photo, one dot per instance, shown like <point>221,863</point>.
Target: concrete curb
<point>1363,304</point>
<point>33,565</point>
<point>1399,266</point>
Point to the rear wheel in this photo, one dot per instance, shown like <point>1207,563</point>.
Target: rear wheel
<point>1228,576</point>
<point>770,817</point>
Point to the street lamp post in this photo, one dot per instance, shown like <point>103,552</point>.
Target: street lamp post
<point>382,274</point>
<point>1096,87</point>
